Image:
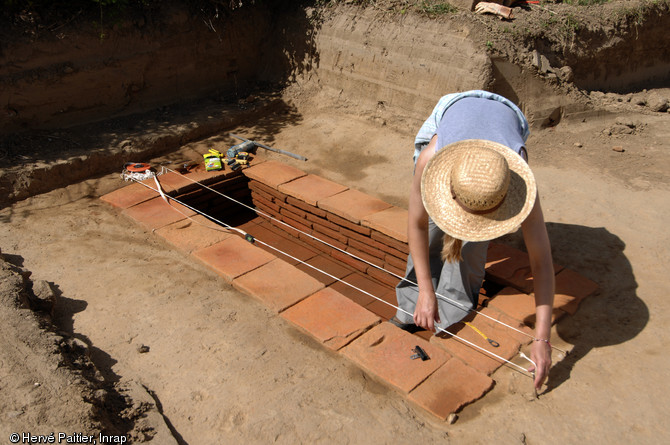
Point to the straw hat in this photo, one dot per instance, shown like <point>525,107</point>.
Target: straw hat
<point>477,190</point>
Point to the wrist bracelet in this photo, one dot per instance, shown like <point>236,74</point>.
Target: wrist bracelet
<point>544,340</point>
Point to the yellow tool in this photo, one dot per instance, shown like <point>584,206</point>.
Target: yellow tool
<point>216,152</point>
<point>493,343</point>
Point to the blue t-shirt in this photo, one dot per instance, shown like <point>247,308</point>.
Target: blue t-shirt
<point>479,118</point>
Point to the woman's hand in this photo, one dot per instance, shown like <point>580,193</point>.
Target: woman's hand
<point>426,313</point>
<point>540,353</point>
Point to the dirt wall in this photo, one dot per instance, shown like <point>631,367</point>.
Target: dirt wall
<point>361,58</point>
<point>75,76</point>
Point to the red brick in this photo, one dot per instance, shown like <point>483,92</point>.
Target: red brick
<point>156,213</point>
<point>323,222</point>
<point>450,388</point>
<point>311,188</point>
<point>348,260</point>
<point>358,236</point>
<point>296,224</point>
<point>172,182</point>
<point>323,263</point>
<point>369,289</point>
<point>518,305</point>
<point>266,212</point>
<point>280,245</point>
<point>129,196</point>
<point>509,266</point>
<point>306,207</point>
<point>353,205</point>
<point>325,238</point>
<point>374,244</point>
<point>273,173</point>
<point>331,318</point>
<point>281,225</point>
<point>295,213</point>
<point>308,239</point>
<point>189,235</point>
<point>329,232</point>
<point>571,289</point>
<point>258,194</point>
<point>482,361</point>
<point>398,263</point>
<point>277,284</point>
<point>367,248</point>
<point>276,195</point>
<point>385,352</point>
<point>268,204</point>
<point>391,222</point>
<point>391,268</point>
<point>233,257</point>
<point>365,231</point>
<point>365,257</point>
<point>383,276</point>
<point>393,245</point>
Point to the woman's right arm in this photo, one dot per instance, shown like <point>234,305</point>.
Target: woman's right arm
<point>425,313</point>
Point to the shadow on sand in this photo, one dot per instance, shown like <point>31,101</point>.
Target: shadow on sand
<point>615,314</point>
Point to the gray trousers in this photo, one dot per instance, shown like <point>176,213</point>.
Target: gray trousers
<point>459,282</point>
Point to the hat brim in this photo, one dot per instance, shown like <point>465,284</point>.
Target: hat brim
<point>456,221</point>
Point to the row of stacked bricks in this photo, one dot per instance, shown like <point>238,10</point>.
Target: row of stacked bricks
<point>367,250</point>
<point>373,230</point>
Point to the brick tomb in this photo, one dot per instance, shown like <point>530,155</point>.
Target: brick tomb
<point>306,228</point>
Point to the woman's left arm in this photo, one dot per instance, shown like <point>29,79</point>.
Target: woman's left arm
<point>542,267</point>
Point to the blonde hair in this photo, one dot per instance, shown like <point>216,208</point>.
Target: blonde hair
<point>451,249</point>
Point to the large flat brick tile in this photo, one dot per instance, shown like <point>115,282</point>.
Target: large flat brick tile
<point>273,173</point>
<point>519,305</point>
<point>502,322</point>
<point>129,196</point>
<point>171,182</point>
<point>450,388</point>
<point>571,289</point>
<point>509,266</point>
<point>331,318</point>
<point>391,222</point>
<point>156,213</point>
<point>477,358</point>
<point>353,205</point>
<point>278,285</point>
<point>311,188</point>
<point>193,234</point>
<point>385,352</point>
<point>233,257</point>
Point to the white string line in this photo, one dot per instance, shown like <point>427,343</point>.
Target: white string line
<point>438,295</point>
<point>502,359</point>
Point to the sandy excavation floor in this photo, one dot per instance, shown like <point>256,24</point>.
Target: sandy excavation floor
<point>225,370</point>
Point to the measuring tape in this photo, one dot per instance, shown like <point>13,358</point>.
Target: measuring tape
<point>493,343</point>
